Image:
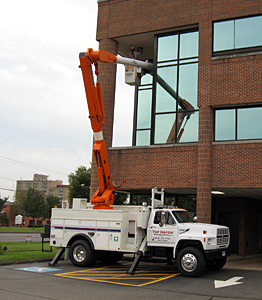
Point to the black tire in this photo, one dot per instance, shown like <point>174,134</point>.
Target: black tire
<point>81,254</point>
<point>110,257</point>
<point>217,264</point>
<point>191,262</point>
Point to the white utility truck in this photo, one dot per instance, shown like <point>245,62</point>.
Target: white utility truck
<point>105,231</point>
<point>155,231</point>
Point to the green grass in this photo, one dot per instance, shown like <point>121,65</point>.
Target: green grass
<point>21,251</point>
<point>21,229</point>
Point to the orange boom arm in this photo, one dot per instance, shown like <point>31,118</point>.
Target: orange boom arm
<point>105,194</point>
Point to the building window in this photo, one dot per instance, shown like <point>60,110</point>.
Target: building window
<point>238,124</point>
<point>239,35</point>
<point>166,110</point>
<point>144,111</point>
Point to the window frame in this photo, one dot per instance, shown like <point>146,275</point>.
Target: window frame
<point>154,89</point>
<point>235,109</point>
<point>234,51</point>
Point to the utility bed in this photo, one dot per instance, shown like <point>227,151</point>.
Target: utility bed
<point>120,229</point>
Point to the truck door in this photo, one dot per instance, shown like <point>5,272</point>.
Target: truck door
<point>163,231</point>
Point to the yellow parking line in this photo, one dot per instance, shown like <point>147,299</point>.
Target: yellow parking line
<point>114,275</point>
<point>119,283</point>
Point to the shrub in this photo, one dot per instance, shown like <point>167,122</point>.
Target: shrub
<point>1,249</point>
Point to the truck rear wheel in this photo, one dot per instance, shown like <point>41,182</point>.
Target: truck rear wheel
<point>81,254</point>
<point>191,262</point>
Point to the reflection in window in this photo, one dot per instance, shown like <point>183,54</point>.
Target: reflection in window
<point>176,89</point>
<point>237,34</point>
<point>238,124</point>
<point>249,123</point>
<point>167,48</point>
<point>224,36</point>
<point>225,124</point>
<point>142,137</point>
<point>169,113</point>
<point>163,127</point>
<point>144,109</point>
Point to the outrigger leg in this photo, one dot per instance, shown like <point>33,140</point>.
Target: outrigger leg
<point>135,263</point>
<point>57,257</point>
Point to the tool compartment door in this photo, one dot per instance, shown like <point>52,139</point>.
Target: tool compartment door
<point>114,235</point>
<point>101,236</point>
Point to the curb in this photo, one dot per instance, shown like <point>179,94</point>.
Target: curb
<point>24,262</point>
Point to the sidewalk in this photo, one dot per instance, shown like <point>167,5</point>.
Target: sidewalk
<point>252,262</point>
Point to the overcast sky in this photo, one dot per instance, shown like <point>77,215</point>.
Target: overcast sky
<point>44,127</point>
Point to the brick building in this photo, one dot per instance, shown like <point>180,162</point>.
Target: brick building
<point>210,54</point>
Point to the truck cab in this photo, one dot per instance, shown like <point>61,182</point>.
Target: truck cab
<point>174,234</point>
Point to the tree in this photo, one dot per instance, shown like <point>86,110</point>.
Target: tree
<point>33,204</point>
<point>120,199</point>
<point>17,208</point>
<point>3,202</point>
<point>50,202</point>
<point>3,218</point>
<point>80,183</point>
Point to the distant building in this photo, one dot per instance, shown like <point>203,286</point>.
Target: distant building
<point>45,187</point>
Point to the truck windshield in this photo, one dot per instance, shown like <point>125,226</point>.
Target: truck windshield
<point>182,216</point>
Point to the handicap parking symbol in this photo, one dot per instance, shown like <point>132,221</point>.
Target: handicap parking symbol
<point>37,269</point>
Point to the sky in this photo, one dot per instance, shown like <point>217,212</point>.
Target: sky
<point>44,125</point>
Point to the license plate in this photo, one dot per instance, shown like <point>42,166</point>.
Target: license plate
<point>223,253</point>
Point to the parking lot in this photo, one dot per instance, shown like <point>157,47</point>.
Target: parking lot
<point>151,281</point>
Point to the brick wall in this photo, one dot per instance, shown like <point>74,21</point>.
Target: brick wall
<point>237,165</point>
<point>124,17</point>
<point>205,166</point>
<point>236,80</point>
<point>146,167</point>
<point>221,81</point>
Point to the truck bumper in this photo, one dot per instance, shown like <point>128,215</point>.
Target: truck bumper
<point>216,254</point>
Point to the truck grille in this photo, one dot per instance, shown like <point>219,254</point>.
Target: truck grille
<point>223,237</point>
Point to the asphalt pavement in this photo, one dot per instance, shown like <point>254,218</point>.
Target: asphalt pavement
<point>38,281</point>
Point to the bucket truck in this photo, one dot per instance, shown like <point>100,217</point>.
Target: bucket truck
<point>101,230</point>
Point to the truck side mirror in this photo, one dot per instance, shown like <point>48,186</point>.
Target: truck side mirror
<point>195,218</point>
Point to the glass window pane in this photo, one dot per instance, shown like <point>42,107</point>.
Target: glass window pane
<point>167,47</point>
<point>248,32</point>
<point>188,82</point>
<point>224,35</point>
<point>143,138</point>
<point>190,132</point>
<point>225,121</point>
<point>188,44</point>
<point>146,79</point>
<point>144,109</point>
<point>249,123</point>
<point>163,126</point>
<point>164,101</point>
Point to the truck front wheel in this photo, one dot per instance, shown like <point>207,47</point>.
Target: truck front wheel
<point>190,262</point>
<point>81,254</point>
